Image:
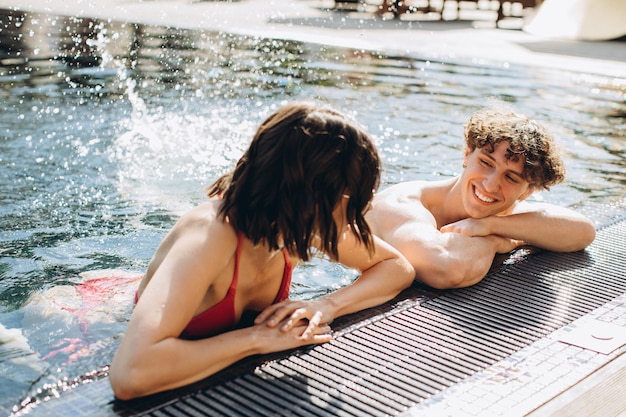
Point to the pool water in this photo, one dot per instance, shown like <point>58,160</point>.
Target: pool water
<point>109,131</point>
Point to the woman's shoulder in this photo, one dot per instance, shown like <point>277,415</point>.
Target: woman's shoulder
<point>204,221</point>
<point>202,215</point>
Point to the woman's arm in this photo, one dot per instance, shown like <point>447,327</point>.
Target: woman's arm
<point>151,356</point>
<point>383,276</point>
<point>140,369</point>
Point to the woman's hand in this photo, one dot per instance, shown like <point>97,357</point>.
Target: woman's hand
<point>279,338</point>
<point>292,314</point>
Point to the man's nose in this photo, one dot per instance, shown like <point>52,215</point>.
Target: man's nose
<point>491,183</point>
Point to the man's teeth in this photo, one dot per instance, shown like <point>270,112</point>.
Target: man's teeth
<point>482,197</point>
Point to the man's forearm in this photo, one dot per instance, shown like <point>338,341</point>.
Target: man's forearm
<point>565,231</point>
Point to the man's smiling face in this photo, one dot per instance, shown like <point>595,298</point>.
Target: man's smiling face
<point>492,184</point>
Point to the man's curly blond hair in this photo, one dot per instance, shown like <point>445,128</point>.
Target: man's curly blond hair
<point>543,166</point>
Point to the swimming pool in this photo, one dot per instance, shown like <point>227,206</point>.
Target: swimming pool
<point>109,131</point>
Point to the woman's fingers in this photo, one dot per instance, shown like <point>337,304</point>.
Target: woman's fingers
<point>295,318</point>
<point>275,340</point>
<point>321,338</point>
<point>313,335</point>
<point>265,314</point>
<point>314,323</point>
<point>275,313</point>
<point>290,314</point>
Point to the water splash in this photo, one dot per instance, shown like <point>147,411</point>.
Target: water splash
<point>167,157</point>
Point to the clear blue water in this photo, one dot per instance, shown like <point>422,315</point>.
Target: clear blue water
<point>109,131</point>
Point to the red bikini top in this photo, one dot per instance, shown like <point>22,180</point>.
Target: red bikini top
<point>222,317</point>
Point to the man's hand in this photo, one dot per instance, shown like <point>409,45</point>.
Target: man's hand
<point>504,244</point>
<point>469,227</point>
<point>481,228</point>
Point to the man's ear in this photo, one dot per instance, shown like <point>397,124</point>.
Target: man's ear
<point>466,155</point>
<point>526,194</point>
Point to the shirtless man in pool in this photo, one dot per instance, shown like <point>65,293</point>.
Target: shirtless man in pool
<point>451,230</point>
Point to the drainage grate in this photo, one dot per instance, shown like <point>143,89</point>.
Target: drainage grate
<point>388,359</point>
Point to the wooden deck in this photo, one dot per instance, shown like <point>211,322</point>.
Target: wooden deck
<point>601,394</point>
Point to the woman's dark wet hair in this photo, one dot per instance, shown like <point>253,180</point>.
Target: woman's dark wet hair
<point>543,166</point>
<point>301,162</point>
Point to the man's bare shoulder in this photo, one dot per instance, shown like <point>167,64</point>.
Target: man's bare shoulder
<point>402,205</point>
<point>411,192</point>
<point>401,190</point>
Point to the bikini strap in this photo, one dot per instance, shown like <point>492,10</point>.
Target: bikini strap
<point>288,265</point>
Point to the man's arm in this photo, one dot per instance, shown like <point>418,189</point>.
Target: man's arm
<point>441,260</point>
<point>542,225</point>
<point>447,260</point>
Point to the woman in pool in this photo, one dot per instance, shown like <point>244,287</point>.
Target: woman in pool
<point>303,185</point>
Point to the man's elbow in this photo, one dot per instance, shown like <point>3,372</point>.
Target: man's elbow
<point>588,234</point>
<point>438,269</point>
<point>446,277</point>
<point>407,276</point>
<point>585,235</point>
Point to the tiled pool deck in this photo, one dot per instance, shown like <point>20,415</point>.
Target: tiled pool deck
<point>523,382</point>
